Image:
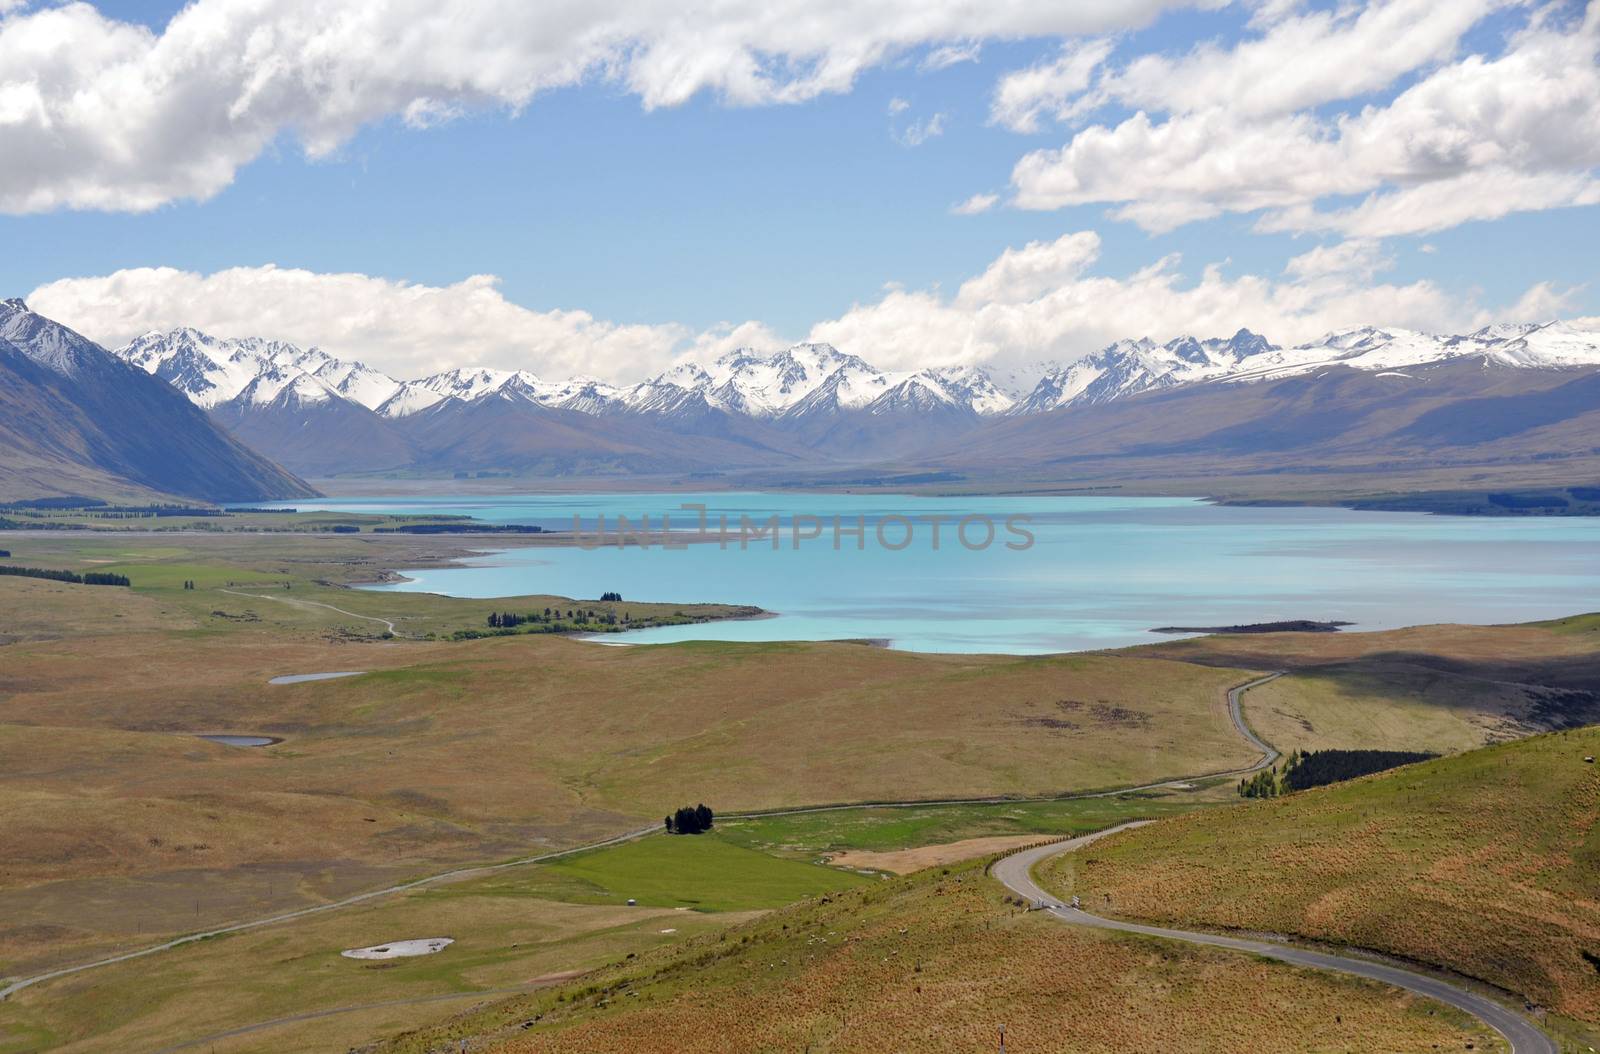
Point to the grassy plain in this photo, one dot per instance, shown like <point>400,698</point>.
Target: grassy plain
<point>1437,688</point>
<point>123,827</point>
<point>812,834</point>
<point>1486,863</point>
<point>935,962</point>
<point>511,927</point>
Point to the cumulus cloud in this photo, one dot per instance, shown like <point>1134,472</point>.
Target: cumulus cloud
<point>1300,61</point>
<point>975,204</point>
<point>1045,301</point>
<point>403,328</point>
<point>1358,257</point>
<point>102,114</point>
<point>1050,88</point>
<point>1473,138</point>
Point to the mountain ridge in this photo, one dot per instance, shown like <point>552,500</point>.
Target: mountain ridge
<point>785,383</point>
<point>812,406</point>
<point>74,417</point>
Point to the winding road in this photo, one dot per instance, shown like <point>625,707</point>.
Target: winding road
<point>1015,872</point>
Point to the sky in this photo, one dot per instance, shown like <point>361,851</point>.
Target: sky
<point>604,187</point>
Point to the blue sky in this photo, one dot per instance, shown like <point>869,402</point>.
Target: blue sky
<point>786,215</point>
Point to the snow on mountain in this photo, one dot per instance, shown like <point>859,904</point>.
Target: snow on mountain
<point>803,382</point>
<point>974,386</point>
<point>808,379</point>
<point>285,385</point>
<point>357,382</point>
<point>410,398</point>
<point>768,385</point>
<point>583,394</point>
<point>214,370</point>
<point>1553,345</point>
<point>1132,366</point>
<point>917,394</point>
<point>209,371</point>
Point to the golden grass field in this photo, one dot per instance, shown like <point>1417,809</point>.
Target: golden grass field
<point>936,962</point>
<point>511,928</point>
<point>123,829</point>
<point>1435,688</point>
<point>1485,863</point>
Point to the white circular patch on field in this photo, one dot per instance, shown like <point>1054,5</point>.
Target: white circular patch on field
<point>400,949</point>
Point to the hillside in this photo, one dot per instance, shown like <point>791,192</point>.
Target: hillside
<point>75,419</point>
<point>934,962</point>
<point>1455,412</point>
<point>1442,688</point>
<point>1366,400</point>
<point>1486,863</point>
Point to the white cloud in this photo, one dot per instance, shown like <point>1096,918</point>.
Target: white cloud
<point>898,106</point>
<point>1023,97</point>
<point>1477,138</point>
<point>1300,61</point>
<point>975,204</point>
<point>1044,301</point>
<point>950,55</point>
<point>402,328</point>
<point>918,132</point>
<point>1541,303</point>
<point>1357,258</point>
<point>102,114</point>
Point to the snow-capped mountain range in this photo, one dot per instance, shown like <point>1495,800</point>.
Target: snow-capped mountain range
<point>808,380</point>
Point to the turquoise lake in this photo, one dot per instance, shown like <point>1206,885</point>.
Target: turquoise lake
<point>1101,572</point>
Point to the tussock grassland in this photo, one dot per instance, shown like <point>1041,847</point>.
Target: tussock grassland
<point>1436,688</point>
<point>935,962</point>
<point>452,752</point>
<point>510,927</point>
<point>886,830</point>
<point>1486,863</point>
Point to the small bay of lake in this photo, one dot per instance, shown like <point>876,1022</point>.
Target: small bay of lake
<point>1101,572</point>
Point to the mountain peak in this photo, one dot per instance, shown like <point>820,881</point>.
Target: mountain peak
<point>15,303</point>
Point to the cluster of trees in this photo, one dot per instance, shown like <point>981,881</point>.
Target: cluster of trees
<point>88,578</point>
<point>461,528</point>
<point>1304,769</point>
<point>511,620</point>
<point>690,821</point>
<point>613,598</point>
<point>1528,501</point>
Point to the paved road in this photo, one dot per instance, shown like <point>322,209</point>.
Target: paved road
<point>1269,753</point>
<point>1016,873</point>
